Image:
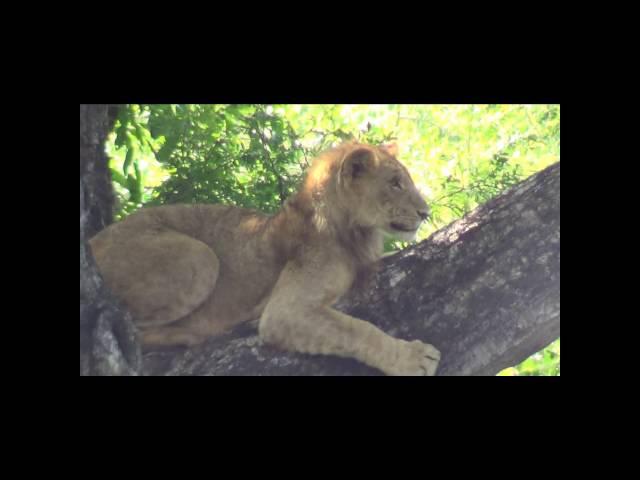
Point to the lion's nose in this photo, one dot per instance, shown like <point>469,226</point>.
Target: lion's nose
<point>423,214</point>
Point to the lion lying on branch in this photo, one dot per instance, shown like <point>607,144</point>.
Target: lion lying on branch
<point>190,272</point>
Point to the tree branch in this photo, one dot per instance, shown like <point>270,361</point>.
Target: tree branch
<point>484,290</point>
<point>107,336</point>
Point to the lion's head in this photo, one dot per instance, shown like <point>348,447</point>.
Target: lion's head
<point>379,191</point>
<point>354,193</point>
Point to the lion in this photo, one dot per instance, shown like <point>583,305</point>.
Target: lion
<point>191,272</point>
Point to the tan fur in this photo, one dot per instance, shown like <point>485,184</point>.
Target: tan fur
<point>190,272</point>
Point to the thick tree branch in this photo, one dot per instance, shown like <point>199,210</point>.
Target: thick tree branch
<point>107,337</point>
<point>485,290</point>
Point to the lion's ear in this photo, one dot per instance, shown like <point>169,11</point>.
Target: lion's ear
<point>357,163</point>
<point>392,148</point>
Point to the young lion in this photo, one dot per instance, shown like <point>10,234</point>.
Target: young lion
<point>189,272</point>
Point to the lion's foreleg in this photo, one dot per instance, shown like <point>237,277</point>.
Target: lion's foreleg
<point>323,330</point>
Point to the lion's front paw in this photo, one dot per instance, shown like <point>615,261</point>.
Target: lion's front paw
<point>414,359</point>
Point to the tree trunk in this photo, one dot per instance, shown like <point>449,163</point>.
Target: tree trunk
<point>484,290</point>
<point>107,336</point>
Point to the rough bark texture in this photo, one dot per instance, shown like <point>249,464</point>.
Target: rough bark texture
<point>107,335</point>
<point>484,290</point>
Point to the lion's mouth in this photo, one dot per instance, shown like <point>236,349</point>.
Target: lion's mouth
<point>402,228</point>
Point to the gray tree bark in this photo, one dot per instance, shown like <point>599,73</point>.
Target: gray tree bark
<point>484,290</point>
<point>107,335</point>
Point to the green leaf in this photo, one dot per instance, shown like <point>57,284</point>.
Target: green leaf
<point>135,189</point>
<point>128,159</point>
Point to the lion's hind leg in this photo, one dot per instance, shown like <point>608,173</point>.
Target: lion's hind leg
<point>162,276</point>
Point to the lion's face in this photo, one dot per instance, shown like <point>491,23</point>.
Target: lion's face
<point>381,193</point>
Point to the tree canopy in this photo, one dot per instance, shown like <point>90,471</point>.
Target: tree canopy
<point>253,156</point>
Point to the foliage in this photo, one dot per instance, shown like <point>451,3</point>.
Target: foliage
<point>254,156</point>
<point>134,169</point>
<point>545,362</point>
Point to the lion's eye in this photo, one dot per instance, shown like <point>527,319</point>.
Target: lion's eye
<point>395,183</point>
